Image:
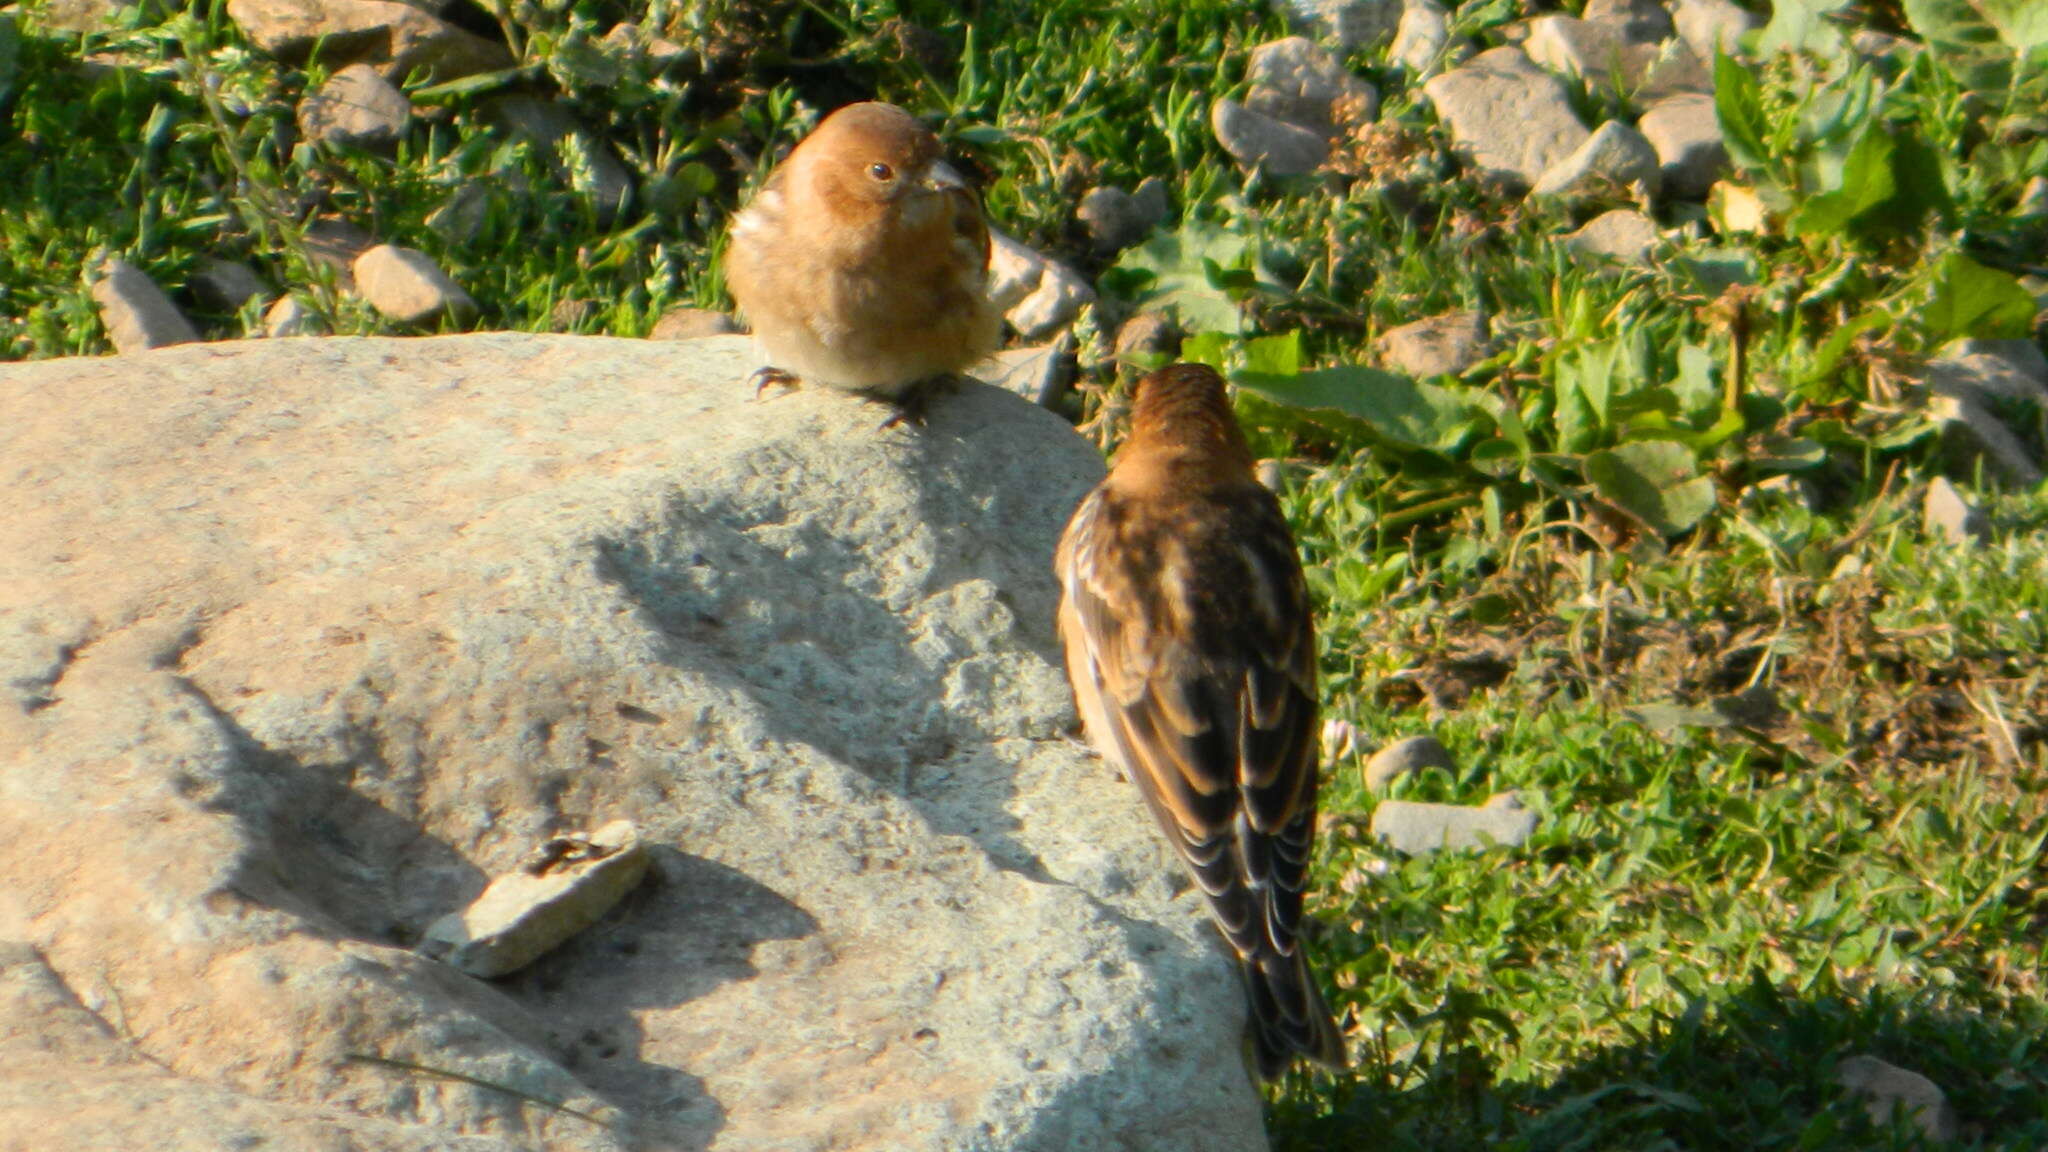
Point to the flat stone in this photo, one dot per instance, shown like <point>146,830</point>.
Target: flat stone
<point>1612,162</point>
<point>1038,295</point>
<point>553,130</point>
<point>356,107</point>
<point>136,312</point>
<point>309,639</point>
<point>1040,373</point>
<point>1295,81</point>
<point>1422,37</point>
<point>1155,202</point>
<point>406,286</point>
<point>1886,1089</point>
<point>1406,758</point>
<point>1947,514</point>
<point>1413,829</point>
<point>1991,398</point>
<point>1624,235</point>
<point>1148,339</point>
<point>692,324</point>
<point>564,887</point>
<point>226,285</point>
<point>1509,119</point>
<point>399,38</point>
<point>1636,21</point>
<point>1707,25</point>
<point>1353,24</point>
<point>1443,345</point>
<point>1257,140</point>
<point>1685,132</point>
<point>1113,219</point>
<point>290,316</point>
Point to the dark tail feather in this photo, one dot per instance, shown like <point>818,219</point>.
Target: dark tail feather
<point>1288,1016</point>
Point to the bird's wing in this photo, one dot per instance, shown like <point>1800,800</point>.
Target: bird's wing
<point>1195,670</point>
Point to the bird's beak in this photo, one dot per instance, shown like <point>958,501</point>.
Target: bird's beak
<point>940,177</point>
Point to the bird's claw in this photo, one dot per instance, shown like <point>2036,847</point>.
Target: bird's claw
<point>914,402</point>
<point>771,377</point>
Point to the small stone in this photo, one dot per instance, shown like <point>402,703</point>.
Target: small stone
<point>1420,40</point>
<point>1573,46</point>
<point>1155,204</point>
<point>1038,295</point>
<point>1991,398</point>
<point>1608,166</point>
<point>1707,25</point>
<point>1668,69</point>
<point>1113,219</point>
<point>356,107</point>
<point>692,324</point>
<point>1256,140</point>
<point>290,317</point>
<point>571,313</point>
<point>1040,373</point>
<point>1294,81</point>
<point>1271,475</point>
<point>1406,758</point>
<point>1624,235</point>
<point>567,885</point>
<point>405,285</point>
<point>399,38</point>
<point>1685,132</point>
<point>1886,1089</point>
<point>1148,339</point>
<point>2033,199</point>
<point>226,285</point>
<point>1637,21</point>
<point>1353,24</point>
<point>1414,828</point>
<point>1947,514</point>
<point>1439,346</point>
<point>136,312</point>
<point>1509,119</point>
<point>332,242</point>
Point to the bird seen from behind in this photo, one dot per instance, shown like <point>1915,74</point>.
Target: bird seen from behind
<point>862,263</point>
<point>1191,650</point>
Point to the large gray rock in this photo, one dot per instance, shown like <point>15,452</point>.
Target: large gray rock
<point>1509,119</point>
<point>300,641</point>
<point>1353,24</point>
<point>1443,345</point>
<point>397,36</point>
<point>1685,131</point>
<point>1613,162</point>
<point>1256,139</point>
<point>1295,81</point>
<point>1422,36</point>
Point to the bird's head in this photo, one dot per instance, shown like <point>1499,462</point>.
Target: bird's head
<point>876,154</point>
<point>1182,411</point>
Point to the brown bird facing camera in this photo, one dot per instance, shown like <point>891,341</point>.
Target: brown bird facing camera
<point>862,263</point>
<point>1192,654</point>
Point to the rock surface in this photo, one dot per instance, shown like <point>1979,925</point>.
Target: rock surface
<point>1038,295</point>
<point>1413,828</point>
<point>1443,345</point>
<point>1421,37</point>
<point>564,886</point>
<point>358,107</point>
<point>1509,119</point>
<point>1887,1088</point>
<point>1295,81</point>
<point>1623,235</point>
<point>1608,166</point>
<point>1352,24</point>
<point>396,36</point>
<point>1991,398</point>
<point>302,640</point>
<point>1405,758</point>
<point>1254,138</point>
<point>692,324</point>
<point>1685,131</point>
<point>1947,514</point>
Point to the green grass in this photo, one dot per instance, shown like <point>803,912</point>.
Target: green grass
<point>1711,914</point>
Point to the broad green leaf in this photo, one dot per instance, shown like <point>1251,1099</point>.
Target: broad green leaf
<point>1777,453</point>
<point>1969,299</point>
<point>1799,26</point>
<point>1738,104</point>
<point>1402,411</point>
<point>1695,386</point>
<point>1274,355</point>
<point>1655,481</point>
<point>1211,348</point>
<point>1864,183</point>
<point>1973,45</point>
<point>1182,271</point>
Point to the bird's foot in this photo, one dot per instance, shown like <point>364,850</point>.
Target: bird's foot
<point>772,377</point>
<point>914,403</point>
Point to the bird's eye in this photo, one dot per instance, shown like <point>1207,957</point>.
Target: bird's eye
<point>881,171</point>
